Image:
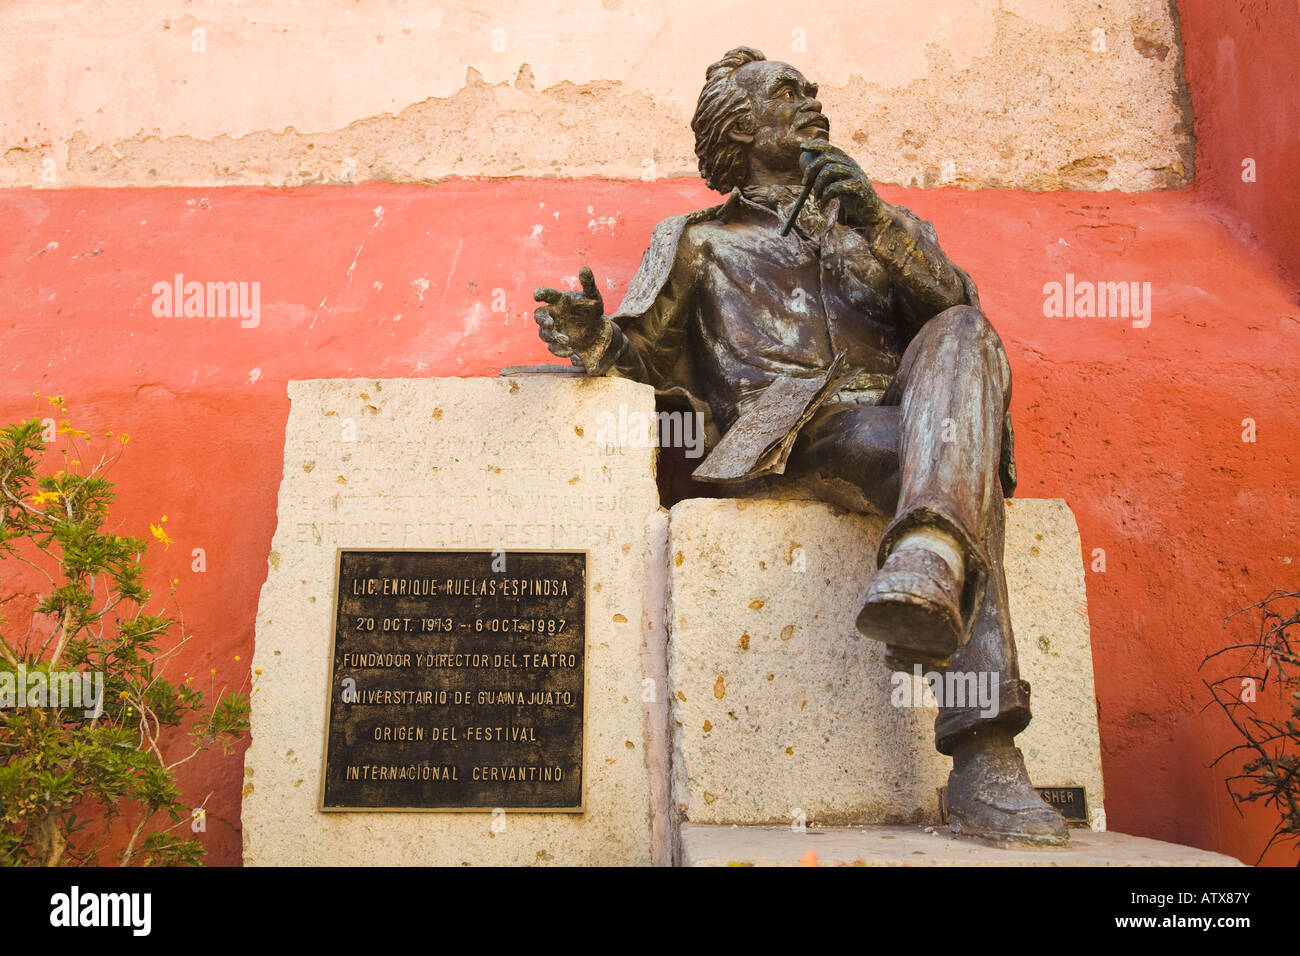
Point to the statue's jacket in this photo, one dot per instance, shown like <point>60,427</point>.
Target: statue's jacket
<point>755,331</point>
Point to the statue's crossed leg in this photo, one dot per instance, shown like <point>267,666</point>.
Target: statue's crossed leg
<point>929,455</point>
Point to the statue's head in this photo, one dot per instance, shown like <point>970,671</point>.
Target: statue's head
<point>753,110</point>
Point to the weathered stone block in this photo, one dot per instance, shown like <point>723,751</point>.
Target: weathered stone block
<point>779,708</point>
<point>470,464</point>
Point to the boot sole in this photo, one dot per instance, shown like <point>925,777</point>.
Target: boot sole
<point>898,619</point>
<point>1057,835</point>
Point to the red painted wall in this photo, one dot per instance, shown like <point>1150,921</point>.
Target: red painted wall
<point>1243,70</point>
<point>1138,429</point>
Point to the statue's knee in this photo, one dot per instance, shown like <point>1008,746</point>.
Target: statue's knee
<point>970,323</point>
<point>967,319</point>
<point>972,326</point>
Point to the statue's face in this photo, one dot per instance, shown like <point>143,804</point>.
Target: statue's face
<point>786,112</point>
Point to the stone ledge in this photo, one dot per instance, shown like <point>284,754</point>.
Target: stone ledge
<point>779,707</point>
<point>917,846</point>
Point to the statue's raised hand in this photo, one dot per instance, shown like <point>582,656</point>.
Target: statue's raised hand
<point>834,174</point>
<point>570,323</point>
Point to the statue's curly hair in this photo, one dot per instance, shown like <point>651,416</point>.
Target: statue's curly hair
<point>724,106</point>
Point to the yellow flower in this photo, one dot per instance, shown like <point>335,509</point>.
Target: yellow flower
<point>45,496</point>
<point>108,434</point>
<point>37,394</point>
<point>176,581</point>
<point>65,428</point>
<point>161,535</point>
<point>258,671</point>
<point>236,657</point>
<point>213,671</point>
<point>124,694</point>
<point>75,463</point>
<point>125,438</point>
<point>55,399</point>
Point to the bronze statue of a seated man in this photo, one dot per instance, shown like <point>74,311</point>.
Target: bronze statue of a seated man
<point>845,346</point>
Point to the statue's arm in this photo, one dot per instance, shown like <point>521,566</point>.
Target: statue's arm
<point>644,342</point>
<point>926,279</point>
<point>616,354</point>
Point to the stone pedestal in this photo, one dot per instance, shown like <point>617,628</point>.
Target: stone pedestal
<point>459,464</point>
<point>920,846</point>
<point>726,684</point>
<point>781,712</point>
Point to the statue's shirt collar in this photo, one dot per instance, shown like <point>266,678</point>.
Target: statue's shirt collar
<point>776,202</point>
<point>773,197</point>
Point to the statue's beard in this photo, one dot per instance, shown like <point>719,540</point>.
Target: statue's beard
<point>770,195</point>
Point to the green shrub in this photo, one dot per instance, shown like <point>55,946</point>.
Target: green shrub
<point>68,773</point>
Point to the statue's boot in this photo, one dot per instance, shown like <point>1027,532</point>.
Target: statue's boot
<point>991,799</point>
<point>913,606</point>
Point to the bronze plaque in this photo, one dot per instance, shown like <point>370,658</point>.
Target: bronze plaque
<point>458,681</point>
<point>1070,802</point>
